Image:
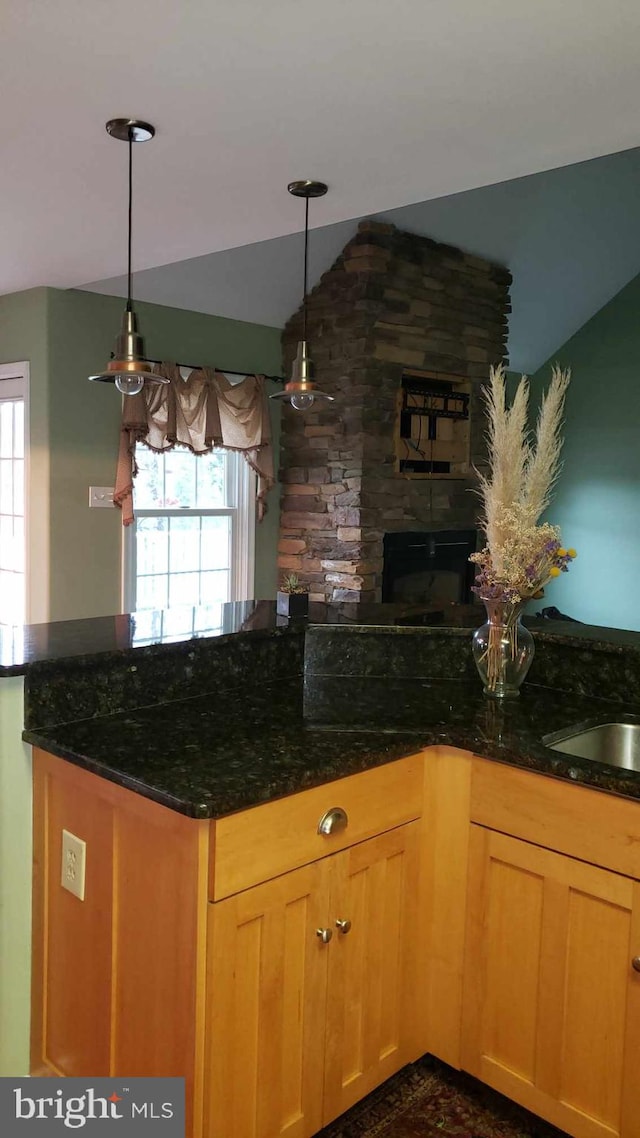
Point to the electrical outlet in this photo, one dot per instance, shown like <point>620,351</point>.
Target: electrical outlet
<point>74,855</point>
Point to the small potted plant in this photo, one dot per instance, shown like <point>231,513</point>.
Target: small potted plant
<point>292,597</point>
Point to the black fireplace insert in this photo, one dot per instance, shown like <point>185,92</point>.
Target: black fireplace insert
<point>429,566</point>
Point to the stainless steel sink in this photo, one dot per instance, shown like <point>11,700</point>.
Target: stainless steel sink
<point>615,743</point>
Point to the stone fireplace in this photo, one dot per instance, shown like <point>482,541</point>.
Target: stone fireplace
<point>402,331</point>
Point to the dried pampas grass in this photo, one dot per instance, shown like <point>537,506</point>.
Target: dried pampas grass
<point>522,471</point>
<point>544,464</point>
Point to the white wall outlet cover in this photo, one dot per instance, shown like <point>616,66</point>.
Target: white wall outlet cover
<point>100,496</point>
<point>74,856</point>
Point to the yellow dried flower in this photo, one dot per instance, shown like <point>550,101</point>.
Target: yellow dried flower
<point>572,553</point>
<point>554,571</point>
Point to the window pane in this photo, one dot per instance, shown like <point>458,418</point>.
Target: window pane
<point>6,486</point>
<point>216,543</point>
<point>184,548</point>
<point>6,539</point>
<point>18,487</point>
<point>12,583</point>
<point>148,488</point>
<point>180,478</point>
<point>152,592</point>
<point>184,558</point>
<point>215,587</point>
<point>152,550</point>
<point>211,479</point>
<point>184,588</point>
<point>18,545</point>
<point>18,428</point>
<point>6,429</point>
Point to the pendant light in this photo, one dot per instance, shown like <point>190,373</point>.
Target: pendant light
<point>301,392</point>
<point>128,368</point>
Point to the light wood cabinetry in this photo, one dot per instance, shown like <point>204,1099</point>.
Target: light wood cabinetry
<point>116,978</point>
<point>266,1006</point>
<point>485,914</point>
<point>310,1023</point>
<point>372,967</point>
<point>551,998</point>
<point>196,950</point>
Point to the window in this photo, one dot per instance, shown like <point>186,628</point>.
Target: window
<point>12,497</point>
<point>192,539</point>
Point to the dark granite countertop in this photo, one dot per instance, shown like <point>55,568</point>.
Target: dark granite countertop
<point>207,712</point>
<point>23,647</point>
<point>278,739</point>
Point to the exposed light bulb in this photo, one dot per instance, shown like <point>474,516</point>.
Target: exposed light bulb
<point>129,384</point>
<point>302,401</point>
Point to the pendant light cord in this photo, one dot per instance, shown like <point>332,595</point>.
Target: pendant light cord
<point>306,246</point>
<point>130,216</point>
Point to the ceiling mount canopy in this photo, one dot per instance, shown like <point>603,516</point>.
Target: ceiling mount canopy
<point>128,368</point>
<point>300,391</point>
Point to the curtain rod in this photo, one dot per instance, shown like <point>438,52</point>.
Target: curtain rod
<point>225,370</point>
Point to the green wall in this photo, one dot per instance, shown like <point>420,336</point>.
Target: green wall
<point>15,882</point>
<point>74,432</point>
<point>597,501</point>
<point>67,335</point>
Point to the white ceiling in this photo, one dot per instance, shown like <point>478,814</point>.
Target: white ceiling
<point>388,103</point>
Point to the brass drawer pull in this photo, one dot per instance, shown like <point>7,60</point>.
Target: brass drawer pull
<point>333,821</point>
<point>635,963</point>
<point>324,934</point>
<point>344,926</point>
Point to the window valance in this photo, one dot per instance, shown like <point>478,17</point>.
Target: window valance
<point>200,412</point>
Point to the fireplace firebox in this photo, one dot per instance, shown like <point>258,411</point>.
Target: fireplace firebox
<point>428,566</point>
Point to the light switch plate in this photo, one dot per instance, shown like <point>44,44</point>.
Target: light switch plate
<point>100,496</point>
<point>74,856</point>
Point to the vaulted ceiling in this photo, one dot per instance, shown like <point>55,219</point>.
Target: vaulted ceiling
<point>390,104</point>
<point>571,238</point>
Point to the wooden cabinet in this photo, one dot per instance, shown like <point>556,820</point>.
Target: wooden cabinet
<point>551,1000</point>
<point>117,979</point>
<point>372,968</point>
<point>483,913</point>
<point>267,980</point>
<point>311,982</point>
<point>196,950</point>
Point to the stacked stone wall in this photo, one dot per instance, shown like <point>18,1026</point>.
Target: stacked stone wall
<point>392,301</point>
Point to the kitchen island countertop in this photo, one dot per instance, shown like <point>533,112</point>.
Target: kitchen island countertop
<point>207,758</point>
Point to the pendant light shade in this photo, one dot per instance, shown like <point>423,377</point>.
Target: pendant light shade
<point>300,391</point>
<point>128,368</point>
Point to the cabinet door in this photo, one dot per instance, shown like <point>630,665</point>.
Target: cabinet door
<point>371,1030</point>
<point>266,1001</point>
<point>552,1003</point>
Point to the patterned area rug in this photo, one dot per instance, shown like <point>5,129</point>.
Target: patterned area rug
<point>430,1100</point>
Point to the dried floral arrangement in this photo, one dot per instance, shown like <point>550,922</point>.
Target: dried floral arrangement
<point>291,584</point>
<point>520,555</point>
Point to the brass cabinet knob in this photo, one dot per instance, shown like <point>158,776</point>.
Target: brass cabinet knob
<point>344,926</point>
<point>635,963</point>
<point>333,821</point>
<point>324,934</point>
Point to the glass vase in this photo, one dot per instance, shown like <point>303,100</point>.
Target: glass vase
<point>503,649</point>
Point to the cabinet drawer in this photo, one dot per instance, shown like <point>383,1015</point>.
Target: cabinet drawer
<point>577,820</point>
<point>261,843</point>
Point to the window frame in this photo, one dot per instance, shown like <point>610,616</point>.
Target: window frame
<point>242,514</point>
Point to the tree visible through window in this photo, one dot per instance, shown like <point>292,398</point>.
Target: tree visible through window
<point>193,529</point>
